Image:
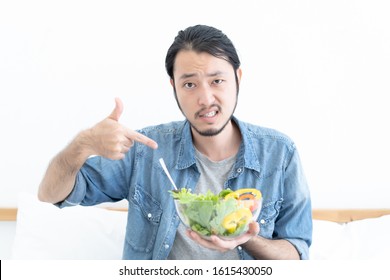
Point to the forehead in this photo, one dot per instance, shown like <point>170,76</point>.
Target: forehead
<point>194,63</point>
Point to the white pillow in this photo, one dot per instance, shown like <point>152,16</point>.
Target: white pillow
<point>371,238</point>
<point>358,240</point>
<point>330,241</point>
<point>44,231</point>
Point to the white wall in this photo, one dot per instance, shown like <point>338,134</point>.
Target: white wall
<point>316,70</point>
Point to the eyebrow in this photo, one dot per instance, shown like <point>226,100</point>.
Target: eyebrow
<point>190,75</point>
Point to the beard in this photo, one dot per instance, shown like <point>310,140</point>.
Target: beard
<point>212,131</point>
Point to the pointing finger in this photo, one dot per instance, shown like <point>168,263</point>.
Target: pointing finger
<point>136,136</point>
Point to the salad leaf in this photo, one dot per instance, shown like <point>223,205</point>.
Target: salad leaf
<point>200,213</point>
<point>185,196</point>
<point>223,208</point>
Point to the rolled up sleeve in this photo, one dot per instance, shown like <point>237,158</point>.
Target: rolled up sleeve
<point>77,195</point>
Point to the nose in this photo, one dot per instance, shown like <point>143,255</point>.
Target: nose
<point>206,96</point>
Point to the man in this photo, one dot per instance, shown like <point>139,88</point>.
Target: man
<point>211,149</point>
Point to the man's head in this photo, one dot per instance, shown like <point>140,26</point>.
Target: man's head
<point>204,69</point>
<point>202,38</point>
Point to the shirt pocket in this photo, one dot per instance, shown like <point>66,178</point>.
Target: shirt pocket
<point>143,220</point>
<point>269,213</point>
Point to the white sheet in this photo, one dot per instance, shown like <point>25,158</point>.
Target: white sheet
<point>358,240</point>
<point>45,232</point>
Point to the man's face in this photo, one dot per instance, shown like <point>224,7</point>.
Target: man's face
<point>206,90</point>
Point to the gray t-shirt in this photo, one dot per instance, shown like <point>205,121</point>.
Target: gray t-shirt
<point>212,177</point>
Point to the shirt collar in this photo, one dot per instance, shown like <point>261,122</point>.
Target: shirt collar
<point>246,156</point>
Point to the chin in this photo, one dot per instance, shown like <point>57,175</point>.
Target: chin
<point>208,132</point>
<point>211,131</point>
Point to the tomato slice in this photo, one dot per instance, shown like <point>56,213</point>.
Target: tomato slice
<point>250,204</point>
<point>247,197</point>
<point>242,194</point>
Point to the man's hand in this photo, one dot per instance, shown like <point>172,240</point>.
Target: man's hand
<point>222,245</point>
<point>108,138</point>
<point>113,140</point>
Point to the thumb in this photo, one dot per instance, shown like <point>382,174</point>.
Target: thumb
<point>117,112</point>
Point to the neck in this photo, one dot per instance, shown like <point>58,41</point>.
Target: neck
<point>221,146</point>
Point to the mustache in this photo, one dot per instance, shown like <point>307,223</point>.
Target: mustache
<point>216,106</point>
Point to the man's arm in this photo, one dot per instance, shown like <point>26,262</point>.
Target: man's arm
<point>266,249</point>
<point>61,173</point>
<point>259,247</point>
<point>108,138</point>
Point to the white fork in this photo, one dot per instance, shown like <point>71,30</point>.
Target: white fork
<point>167,172</point>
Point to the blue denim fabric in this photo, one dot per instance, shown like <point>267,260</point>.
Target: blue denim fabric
<point>267,160</point>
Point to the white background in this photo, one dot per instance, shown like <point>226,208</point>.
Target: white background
<point>315,70</point>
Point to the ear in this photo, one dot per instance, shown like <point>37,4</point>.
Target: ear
<point>172,83</point>
<point>239,74</point>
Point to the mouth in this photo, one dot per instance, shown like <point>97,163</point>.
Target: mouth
<point>208,114</point>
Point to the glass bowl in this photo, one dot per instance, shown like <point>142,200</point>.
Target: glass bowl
<point>226,215</point>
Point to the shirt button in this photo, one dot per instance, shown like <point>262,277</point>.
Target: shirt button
<point>239,170</point>
<point>239,248</point>
<point>149,215</point>
<point>166,246</point>
<point>262,221</point>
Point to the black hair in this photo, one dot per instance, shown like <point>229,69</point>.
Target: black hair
<point>202,38</point>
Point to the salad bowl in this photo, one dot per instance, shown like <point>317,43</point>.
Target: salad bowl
<point>227,214</point>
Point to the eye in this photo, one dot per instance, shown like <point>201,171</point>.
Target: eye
<point>189,85</point>
<point>218,81</point>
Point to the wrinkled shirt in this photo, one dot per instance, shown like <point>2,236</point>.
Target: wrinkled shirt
<point>267,160</point>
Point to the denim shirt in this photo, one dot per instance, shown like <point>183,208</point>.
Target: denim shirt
<point>266,160</point>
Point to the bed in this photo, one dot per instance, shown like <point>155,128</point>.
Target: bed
<point>45,232</point>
